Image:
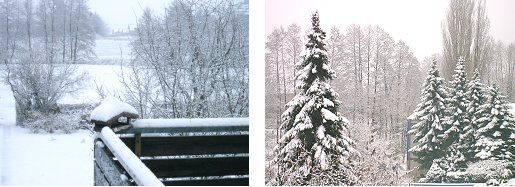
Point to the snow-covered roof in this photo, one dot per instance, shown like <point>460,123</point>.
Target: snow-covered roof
<point>110,108</point>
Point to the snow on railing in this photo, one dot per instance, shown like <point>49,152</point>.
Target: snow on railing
<point>189,125</point>
<point>132,164</point>
<point>193,122</point>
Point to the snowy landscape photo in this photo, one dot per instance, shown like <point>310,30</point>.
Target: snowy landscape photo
<point>168,59</point>
<point>390,93</point>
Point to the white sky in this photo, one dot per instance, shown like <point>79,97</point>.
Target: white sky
<point>118,14</point>
<point>417,23</point>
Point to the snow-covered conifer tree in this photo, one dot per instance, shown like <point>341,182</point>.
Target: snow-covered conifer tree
<point>496,130</point>
<point>458,117</point>
<point>429,131</point>
<point>476,96</point>
<point>314,148</point>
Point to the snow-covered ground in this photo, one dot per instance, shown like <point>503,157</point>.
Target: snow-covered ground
<point>110,49</point>
<point>57,159</point>
<point>41,159</point>
<point>105,76</point>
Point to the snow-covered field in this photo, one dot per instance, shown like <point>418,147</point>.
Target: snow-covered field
<point>105,76</point>
<point>57,159</point>
<point>110,49</point>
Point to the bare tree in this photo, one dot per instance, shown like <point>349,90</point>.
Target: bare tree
<point>465,34</point>
<point>197,55</point>
<point>33,34</point>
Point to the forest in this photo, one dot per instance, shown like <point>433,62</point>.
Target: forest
<point>380,84</point>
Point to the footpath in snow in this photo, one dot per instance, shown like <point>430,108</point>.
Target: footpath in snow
<point>41,159</point>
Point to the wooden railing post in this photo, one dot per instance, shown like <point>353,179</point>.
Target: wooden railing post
<point>106,171</point>
<point>137,144</point>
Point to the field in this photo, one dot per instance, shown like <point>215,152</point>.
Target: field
<point>58,159</point>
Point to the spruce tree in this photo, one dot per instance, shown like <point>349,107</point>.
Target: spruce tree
<point>477,97</point>
<point>429,131</point>
<point>496,130</point>
<point>314,143</point>
<point>457,118</point>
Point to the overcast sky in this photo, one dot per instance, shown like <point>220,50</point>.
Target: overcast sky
<point>417,23</point>
<point>118,14</point>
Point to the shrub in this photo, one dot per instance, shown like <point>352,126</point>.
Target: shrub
<point>490,169</point>
<point>436,173</point>
<point>478,172</point>
<point>50,123</point>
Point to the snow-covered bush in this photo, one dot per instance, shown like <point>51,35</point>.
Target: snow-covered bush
<point>38,122</point>
<point>478,172</point>
<point>318,177</point>
<point>437,172</point>
<point>270,175</point>
<point>490,169</point>
<point>379,163</point>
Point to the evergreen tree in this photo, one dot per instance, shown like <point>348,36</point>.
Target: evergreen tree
<point>429,131</point>
<point>458,117</point>
<point>496,130</point>
<point>476,96</point>
<point>314,149</point>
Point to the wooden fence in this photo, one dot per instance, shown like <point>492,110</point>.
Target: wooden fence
<point>210,151</point>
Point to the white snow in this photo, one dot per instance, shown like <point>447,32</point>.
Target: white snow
<point>321,132</point>
<point>124,177</point>
<point>413,116</point>
<point>105,76</point>
<point>511,182</point>
<point>111,49</point>
<point>483,154</point>
<point>58,159</point>
<point>511,108</point>
<point>184,122</point>
<point>109,108</point>
<point>139,172</point>
<point>328,115</point>
<point>327,103</point>
<point>41,159</point>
